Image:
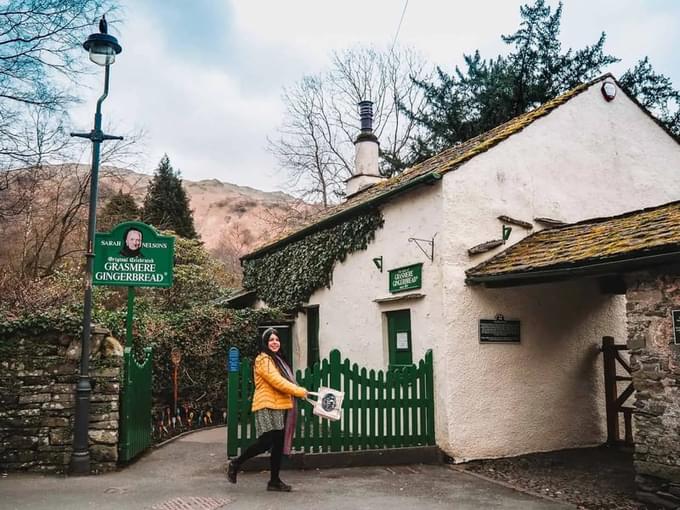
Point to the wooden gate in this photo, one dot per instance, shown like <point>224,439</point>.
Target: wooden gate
<point>390,409</point>
<point>615,401</point>
<point>135,412</point>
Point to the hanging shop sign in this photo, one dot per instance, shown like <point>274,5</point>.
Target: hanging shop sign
<point>499,330</point>
<point>406,278</point>
<point>133,254</point>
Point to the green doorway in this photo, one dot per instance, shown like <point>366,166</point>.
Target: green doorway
<point>399,338</point>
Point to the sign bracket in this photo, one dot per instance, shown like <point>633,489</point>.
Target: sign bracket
<point>425,242</point>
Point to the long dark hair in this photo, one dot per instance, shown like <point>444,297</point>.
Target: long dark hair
<point>277,357</point>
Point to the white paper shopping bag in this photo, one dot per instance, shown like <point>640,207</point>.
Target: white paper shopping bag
<point>328,404</point>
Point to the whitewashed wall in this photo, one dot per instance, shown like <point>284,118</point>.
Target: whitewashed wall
<point>350,319</point>
<point>586,159</point>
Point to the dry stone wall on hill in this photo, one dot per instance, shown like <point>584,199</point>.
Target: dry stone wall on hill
<point>37,401</point>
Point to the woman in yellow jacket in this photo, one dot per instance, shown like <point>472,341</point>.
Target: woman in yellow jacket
<point>273,407</point>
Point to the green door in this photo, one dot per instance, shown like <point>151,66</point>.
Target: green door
<point>312,335</point>
<point>284,336</point>
<point>399,338</point>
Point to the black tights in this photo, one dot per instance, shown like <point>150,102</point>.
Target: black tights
<point>269,440</point>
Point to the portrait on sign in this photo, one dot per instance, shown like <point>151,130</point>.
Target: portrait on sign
<point>132,243</point>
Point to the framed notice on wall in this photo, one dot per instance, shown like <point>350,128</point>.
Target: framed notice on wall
<point>676,326</point>
<point>499,330</point>
<point>402,340</point>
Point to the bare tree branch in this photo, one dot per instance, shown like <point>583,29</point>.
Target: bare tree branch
<point>40,60</point>
<point>315,143</point>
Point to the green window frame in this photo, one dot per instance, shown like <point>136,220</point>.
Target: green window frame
<point>312,335</point>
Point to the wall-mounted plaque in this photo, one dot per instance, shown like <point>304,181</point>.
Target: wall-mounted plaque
<point>406,278</point>
<point>676,326</point>
<point>498,330</point>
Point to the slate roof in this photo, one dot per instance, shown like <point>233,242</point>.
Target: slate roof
<point>643,234</point>
<point>444,162</point>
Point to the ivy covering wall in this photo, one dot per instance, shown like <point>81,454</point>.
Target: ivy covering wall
<point>287,277</point>
<point>186,316</point>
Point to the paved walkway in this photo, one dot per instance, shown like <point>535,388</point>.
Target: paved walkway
<point>188,474</point>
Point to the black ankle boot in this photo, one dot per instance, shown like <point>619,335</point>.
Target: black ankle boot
<point>232,470</point>
<point>278,486</point>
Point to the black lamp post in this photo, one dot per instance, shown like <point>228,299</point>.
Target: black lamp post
<point>103,49</point>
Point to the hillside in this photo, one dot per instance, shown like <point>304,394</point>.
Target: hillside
<point>43,218</point>
<point>229,218</point>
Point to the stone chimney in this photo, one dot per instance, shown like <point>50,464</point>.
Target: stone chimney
<point>366,146</point>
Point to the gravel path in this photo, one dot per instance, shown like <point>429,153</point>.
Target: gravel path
<point>590,478</point>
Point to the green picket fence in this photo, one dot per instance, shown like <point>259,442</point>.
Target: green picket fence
<point>135,412</point>
<point>381,409</point>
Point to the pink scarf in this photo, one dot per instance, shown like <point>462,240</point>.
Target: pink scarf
<point>291,415</point>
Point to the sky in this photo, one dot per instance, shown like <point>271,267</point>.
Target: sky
<point>204,78</point>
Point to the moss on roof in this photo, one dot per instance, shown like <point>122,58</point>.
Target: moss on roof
<point>444,162</point>
<point>648,231</point>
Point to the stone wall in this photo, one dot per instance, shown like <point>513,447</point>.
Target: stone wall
<point>37,398</point>
<point>655,365</point>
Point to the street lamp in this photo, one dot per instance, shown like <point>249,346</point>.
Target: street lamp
<point>103,49</point>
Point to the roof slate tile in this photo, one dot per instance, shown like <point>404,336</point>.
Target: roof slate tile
<point>444,162</point>
<point>648,231</point>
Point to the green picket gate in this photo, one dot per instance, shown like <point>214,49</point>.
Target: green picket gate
<point>135,412</point>
<point>381,409</point>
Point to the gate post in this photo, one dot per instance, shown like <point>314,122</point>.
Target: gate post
<point>610,388</point>
<point>334,366</point>
<point>232,402</point>
<point>429,384</point>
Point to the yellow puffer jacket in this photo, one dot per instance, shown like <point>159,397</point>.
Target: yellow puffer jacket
<point>272,390</point>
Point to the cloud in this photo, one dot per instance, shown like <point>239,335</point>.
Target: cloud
<point>205,78</point>
<point>200,113</point>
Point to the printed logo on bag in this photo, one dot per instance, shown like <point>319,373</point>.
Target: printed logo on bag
<point>328,402</point>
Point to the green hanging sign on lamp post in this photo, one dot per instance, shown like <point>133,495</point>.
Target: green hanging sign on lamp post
<point>133,254</point>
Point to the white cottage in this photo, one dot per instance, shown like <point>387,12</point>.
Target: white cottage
<point>591,152</point>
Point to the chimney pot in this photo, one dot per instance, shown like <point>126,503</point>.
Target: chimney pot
<point>367,147</point>
<point>366,116</point>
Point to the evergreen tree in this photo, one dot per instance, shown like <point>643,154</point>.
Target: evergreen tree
<point>166,205</point>
<point>120,207</point>
<point>489,92</point>
<point>655,92</point>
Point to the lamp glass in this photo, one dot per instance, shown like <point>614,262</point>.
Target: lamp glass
<point>102,54</point>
